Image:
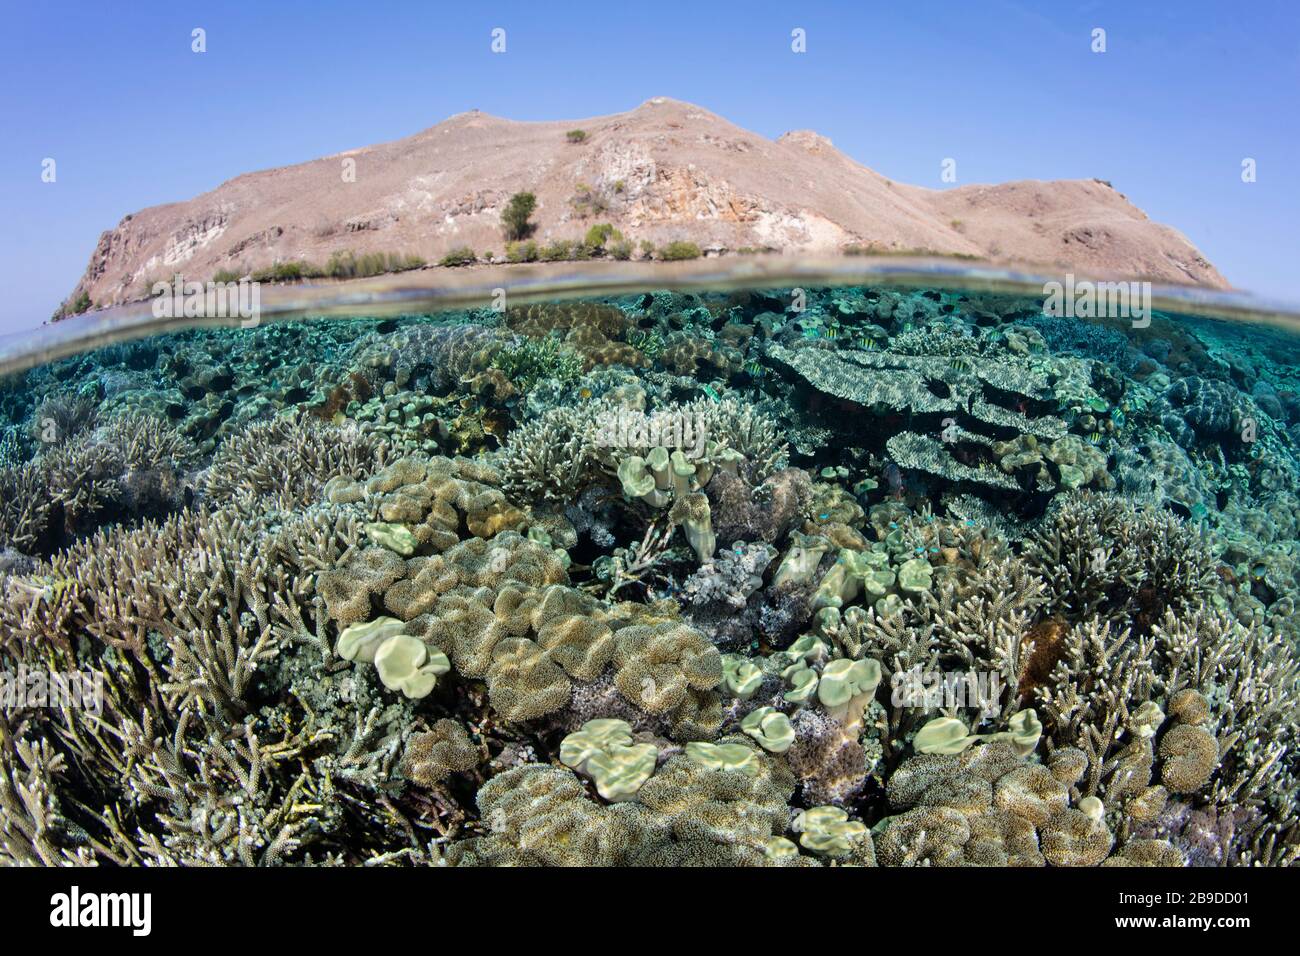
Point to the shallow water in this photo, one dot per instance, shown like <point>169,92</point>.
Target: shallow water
<point>793,575</point>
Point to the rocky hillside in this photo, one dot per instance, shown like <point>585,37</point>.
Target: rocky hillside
<point>665,171</point>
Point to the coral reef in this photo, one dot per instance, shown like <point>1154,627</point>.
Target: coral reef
<point>894,577</point>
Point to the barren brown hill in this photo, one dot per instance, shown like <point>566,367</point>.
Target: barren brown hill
<point>665,171</point>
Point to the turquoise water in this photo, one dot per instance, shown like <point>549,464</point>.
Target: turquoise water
<point>795,576</point>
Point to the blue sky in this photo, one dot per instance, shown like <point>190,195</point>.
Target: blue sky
<point>1011,90</point>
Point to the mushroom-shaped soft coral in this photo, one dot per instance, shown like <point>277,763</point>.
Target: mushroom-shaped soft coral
<point>1147,806</point>
<point>683,474</point>
<point>733,757</point>
<point>1190,754</point>
<point>803,683</point>
<point>943,735</point>
<point>359,642</point>
<point>771,728</point>
<point>1146,720</point>
<point>1031,792</point>
<point>639,482</point>
<point>809,649</point>
<point>395,537</point>
<point>1190,707</point>
<point>434,755</point>
<point>836,583</point>
<point>828,831</point>
<point>915,576</point>
<point>405,663</point>
<point>692,512</point>
<point>1068,764</point>
<point>704,465</point>
<point>1146,853</point>
<point>741,677</point>
<point>800,562</point>
<point>851,572</point>
<point>779,849</point>
<point>658,461</point>
<point>349,591</point>
<point>1023,729</point>
<point>846,688</point>
<point>1072,838</point>
<point>525,682</point>
<point>670,669</point>
<point>999,838</point>
<point>926,835</point>
<point>603,750</point>
<point>727,459</point>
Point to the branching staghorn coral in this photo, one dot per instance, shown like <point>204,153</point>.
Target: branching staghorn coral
<point>289,459</point>
<point>61,416</point>
<point>129,464</point>
<point>217,810</point>
<point>567,448</point>
<point>24,506</point>
<point>1123,702</point>
<point>146,441</point>
<point>1104,555</point>
<point>180,654</point>
<point>33,830</point>
<point>1252,682</point>
<point>81,478</point>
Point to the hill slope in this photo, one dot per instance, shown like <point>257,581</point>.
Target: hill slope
<point>664,171</point>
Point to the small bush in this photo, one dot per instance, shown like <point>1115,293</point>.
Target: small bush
<point>620,249</point>
<point>601,239</point>
<point>226,275</point>
<point>557,251</point>
<point>292,271</point>
<point>598,235</point>
<point>676,251</point>
<point>587,201</point>
<point>348,265</point>
<point>77,306</point>
<point>576,136</point>
<point>914,252</point>
<point>515,216</point>
<point>521,251</point>
<point>460,256</point>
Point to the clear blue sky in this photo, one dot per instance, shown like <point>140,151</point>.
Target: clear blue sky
<point>1011,90</point>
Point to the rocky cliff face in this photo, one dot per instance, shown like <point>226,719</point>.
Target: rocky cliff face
<point>665,171</point>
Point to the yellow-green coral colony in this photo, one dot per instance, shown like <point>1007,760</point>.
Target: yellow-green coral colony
<point>403,662</point>
<point>901,577</point>
<point>603,750</point>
